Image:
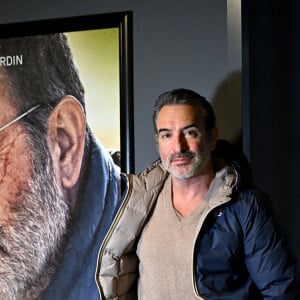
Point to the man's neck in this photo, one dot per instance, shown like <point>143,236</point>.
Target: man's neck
<point>188,193</point>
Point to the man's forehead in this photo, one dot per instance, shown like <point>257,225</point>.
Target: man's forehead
<point>176,114</point>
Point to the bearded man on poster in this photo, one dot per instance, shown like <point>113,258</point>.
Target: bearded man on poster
<point>59,188</point>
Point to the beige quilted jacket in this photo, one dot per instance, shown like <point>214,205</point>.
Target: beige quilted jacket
<point>117,265</point>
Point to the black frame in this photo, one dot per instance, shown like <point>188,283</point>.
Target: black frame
<point>121,20</point>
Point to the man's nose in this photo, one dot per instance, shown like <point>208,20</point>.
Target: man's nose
<point>180,143</point>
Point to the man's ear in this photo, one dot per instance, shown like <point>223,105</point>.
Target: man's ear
<point>66,137</point>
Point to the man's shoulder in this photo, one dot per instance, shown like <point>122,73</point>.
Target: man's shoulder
<point>154,167</point>
<point>151,178</point>
<point>251,202</point>
<point>153,171</point>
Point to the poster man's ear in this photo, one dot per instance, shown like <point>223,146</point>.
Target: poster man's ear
<point>66,136</point>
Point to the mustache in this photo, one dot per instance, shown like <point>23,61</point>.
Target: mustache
<point>187,155</point>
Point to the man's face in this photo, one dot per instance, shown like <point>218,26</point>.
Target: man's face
<point>33,213</point>
<point>182,140</point>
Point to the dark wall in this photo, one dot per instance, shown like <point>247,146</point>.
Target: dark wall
<point>271,49</point>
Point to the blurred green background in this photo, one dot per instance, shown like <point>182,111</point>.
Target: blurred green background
<point>96,55</point>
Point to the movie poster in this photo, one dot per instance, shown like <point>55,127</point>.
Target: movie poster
<point>59,177</point>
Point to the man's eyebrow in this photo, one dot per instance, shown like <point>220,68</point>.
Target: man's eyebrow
<point>189,126</point>
<point>163,129</point>
<point>182,129</point>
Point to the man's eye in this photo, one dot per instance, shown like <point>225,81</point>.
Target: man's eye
<point>192,133</point>
<point>165,135</point>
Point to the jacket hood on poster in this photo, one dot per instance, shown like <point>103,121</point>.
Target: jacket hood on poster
<point>75,277</point>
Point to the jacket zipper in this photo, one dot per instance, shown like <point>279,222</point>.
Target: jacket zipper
<point>227,199</point>
<point>193,262</point>
<point>110,231</point>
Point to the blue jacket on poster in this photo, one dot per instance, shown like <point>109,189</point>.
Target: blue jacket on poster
<point>75,277</point>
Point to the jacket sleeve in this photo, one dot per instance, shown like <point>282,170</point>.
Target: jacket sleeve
<point>266,251</point>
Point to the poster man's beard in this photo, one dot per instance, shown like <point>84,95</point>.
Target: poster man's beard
<point>30,242</point>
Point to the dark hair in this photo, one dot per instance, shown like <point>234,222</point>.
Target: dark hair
<point>185,96</point>
<point>47,72</point>
<point>45,75</point>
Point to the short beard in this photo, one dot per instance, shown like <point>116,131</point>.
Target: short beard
<point>198,163</point>
<point>31,241</point>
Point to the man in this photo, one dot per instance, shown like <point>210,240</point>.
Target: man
<point>192,226</point>
<point>59,189</point>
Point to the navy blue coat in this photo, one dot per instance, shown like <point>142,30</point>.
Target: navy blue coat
<point>239,255</point>
<point>240,252</point>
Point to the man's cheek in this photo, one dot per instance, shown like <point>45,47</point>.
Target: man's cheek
<point>15,170</point>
